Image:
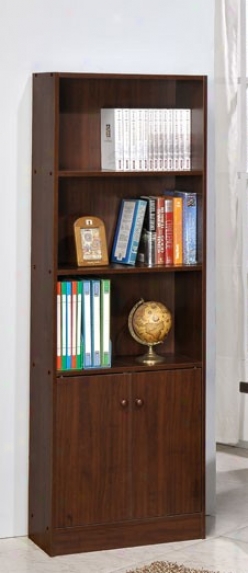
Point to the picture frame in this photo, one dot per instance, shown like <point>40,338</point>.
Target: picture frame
<point>90,242</point>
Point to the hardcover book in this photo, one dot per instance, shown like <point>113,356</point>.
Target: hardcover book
<point>168,231</point>
<point>147,247</point>
<point>177,231</point>
<point>160,242</point>
<point>189,231</point>
<point>128,231</point>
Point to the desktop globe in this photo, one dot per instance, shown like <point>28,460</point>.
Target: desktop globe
<point>149,323</point>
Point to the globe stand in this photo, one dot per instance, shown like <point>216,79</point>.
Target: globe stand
<point>150,358</point>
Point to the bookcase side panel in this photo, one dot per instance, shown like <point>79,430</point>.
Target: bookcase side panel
<point>43,285</point>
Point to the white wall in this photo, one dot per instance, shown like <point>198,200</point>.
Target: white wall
<point>74,35</point>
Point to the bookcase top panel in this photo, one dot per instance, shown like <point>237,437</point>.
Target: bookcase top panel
<point>128,76</point>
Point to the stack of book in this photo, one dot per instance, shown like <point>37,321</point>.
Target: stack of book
<point>146,139</point>
<point>83,324</point>
<point>169,234</point>
<point>157,230</point>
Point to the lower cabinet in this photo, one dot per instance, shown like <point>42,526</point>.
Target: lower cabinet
<point>129,450</point>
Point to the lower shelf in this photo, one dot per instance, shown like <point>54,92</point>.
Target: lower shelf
<point>129,364</point>
<point>99,537</point>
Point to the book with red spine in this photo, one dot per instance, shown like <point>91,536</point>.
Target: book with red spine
<point>160,242</point>
<point>177,226</point>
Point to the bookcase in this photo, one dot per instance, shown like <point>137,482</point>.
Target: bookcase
<point>117,455</point>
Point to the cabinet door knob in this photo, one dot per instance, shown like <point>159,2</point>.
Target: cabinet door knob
<point>124,403</point>
<point>139,402</point>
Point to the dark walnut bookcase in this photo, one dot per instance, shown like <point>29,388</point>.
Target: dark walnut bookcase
<point>117,455</point>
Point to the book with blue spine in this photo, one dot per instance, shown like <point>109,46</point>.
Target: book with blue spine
<point>189,226</point>
<point>128,231</point>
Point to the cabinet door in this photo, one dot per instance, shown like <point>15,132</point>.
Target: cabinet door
<point>92,475</point>
<point>167,445</point>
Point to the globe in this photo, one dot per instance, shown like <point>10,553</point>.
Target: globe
<point>149,323</point>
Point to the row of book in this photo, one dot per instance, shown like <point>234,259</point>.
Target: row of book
<point>157,230</point>
<point>146,139</point>
<point>83,323</point>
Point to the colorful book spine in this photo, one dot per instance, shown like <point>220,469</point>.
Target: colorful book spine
<point>160,243</point>
<point>177,231</point>
<point>189,232</point>
<point>105,323</point>
<point>83,322</point>
<point>86,324</point>
<point>74,324</point>
<point>95,322</point>
<point>168,231</point>
<point>112,139</point>
<point>128,231</point>
<point>177,226</point>
<point>79,326</point>
<point>63,322</point>
<point>59,327</point>
<point>68,326</point>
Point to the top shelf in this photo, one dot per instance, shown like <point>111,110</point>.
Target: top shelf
<point>79,98</point>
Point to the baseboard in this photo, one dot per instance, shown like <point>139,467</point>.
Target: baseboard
<point>243,444</point>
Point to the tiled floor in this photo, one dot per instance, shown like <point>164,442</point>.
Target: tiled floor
<point>225,548</point>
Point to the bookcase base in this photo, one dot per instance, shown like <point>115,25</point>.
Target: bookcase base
<point>64,541</point>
